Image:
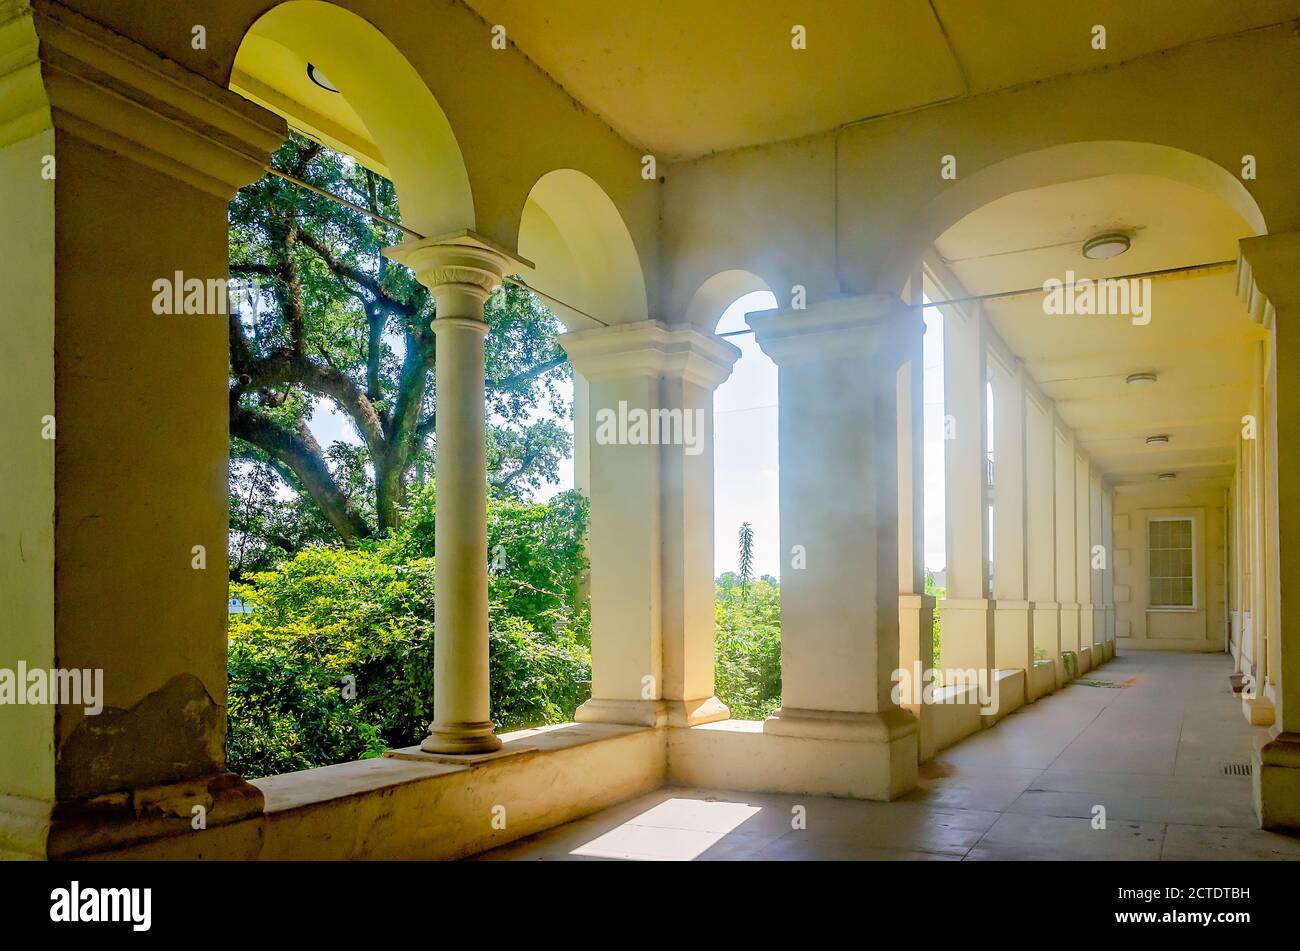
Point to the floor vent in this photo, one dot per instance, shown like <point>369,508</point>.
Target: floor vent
<point>1237,769</point>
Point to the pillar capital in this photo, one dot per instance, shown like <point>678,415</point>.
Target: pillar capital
<point>1267,277</point>
<point>460,269</point>
<point>651,348</point>
<point>70,73</point>
<point>871,324</point>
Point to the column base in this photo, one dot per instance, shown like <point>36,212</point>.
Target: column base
<point>966,639</point>
<point>694,712</point>
<point>1013,635</point>
<point>1047,637</point>
<point>885,727</point>
<point>1258,710</point>
<point>1069,627</point>
<point>881,746</point>
<point>141,822</point>
<point>1276,780</point>
<point>632,712</point>
<point>461,738</point>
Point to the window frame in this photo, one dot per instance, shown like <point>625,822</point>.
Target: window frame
<point>1189,516</point>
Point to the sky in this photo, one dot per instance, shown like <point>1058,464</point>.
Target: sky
<point>746,465</point>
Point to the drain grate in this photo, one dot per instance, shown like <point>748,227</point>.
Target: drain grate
<point>1236,769</point>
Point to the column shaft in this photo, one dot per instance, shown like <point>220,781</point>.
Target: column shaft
<point>966,625</point>
<point>460,270</point>
<point>838,364</point>
<point>1013,614</point>
<point>1269,283</point>
<point>651,537</point>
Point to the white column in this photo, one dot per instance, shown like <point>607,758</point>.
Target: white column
<point>838,364</point>
<point>1040,526</point>
<point>1013,613</point>
<point>966,613</point>
<point>915,607</point>
<point>1269,283</point>
<point>1108,577</point>
<point>1097,570</point>
<point>650,442</point>
<point>460,270</point>
<point>1083,553</point>
<point>1066,553</point>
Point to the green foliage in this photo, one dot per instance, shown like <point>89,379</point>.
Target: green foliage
<point>746,554</point>
<point>323,318</point>
<point>747,646</point>
<point>332,615</point>
<point>938,594</point>
<point>265,527</point>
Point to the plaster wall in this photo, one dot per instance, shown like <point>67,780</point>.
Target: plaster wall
<point>1139,626</point>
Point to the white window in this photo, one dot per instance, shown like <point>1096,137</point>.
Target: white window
<point>1170,560</point>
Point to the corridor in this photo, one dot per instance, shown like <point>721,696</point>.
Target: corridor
<point>1151,737</point>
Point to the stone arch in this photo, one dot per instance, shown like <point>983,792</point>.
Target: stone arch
<point>1064,163</point>
<point>718,293</point>
<point>405,131</point>
<point>582,252</point>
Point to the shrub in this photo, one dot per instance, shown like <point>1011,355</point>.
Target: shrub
<point>335,660</point>
<point>747,648</point>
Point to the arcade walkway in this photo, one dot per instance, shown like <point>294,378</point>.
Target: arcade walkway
<point>1148,737</point>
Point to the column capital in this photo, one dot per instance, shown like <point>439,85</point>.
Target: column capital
<point>1267,275</point>
<point>871,324</point>
<point>71,73</point>
<point>650,348</point>
<point>462,259</point>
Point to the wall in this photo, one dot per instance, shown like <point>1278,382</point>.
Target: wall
<point>853,210</point>
<point>26,459</point>
<point>1198,630</point>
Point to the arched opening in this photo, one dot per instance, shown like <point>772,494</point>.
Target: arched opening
<point>333,422</point>
<point>586,267</point>
<point>299,52</point>
<point>747,562</point>
<point>582,251</point>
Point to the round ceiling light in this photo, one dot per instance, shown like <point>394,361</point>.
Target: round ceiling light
<point>320,79</point>
<point>1109,245</point>
<point>1140,379</point>
<point>1160,439</point>
<point>1167,476</point>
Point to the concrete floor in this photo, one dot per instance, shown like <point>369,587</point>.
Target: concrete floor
<point>1151,750</point>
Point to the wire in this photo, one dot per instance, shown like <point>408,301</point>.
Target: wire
<point>382,219</point>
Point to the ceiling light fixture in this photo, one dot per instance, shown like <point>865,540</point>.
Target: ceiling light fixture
<point>1160,439</point>
<point>320,79</point>
<point>1167,476</point>
<point>1109,245</point>
<point>1140,379</point>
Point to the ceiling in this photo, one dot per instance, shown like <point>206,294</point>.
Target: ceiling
<point>1200,340</point>
<point>688,77</point>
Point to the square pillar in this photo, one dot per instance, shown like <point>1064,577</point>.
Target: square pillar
<point>649,408</point>
<point>1083,554</point>
<point>114,442</point>
<point>838,363</point>
<point>1269,283</point>
<point>1040,522</point>
<point>1013,614</point>
<point>967,610</point>
<point>1066,553</point>
<point>915,607</point>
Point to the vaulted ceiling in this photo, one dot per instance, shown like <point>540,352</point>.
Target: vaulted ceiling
<point>1199,342</point>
